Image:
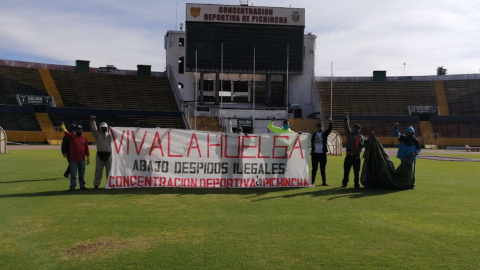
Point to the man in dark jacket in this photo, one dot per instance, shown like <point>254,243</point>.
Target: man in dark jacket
<point>66,149</point>
<point>79,155</point>
<point>319,151</point>
<point>355,143</point>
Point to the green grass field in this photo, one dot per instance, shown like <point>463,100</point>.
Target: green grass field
<point>42,226</point>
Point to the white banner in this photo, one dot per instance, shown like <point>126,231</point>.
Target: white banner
<point>245,14</point>
<point>156,157</point>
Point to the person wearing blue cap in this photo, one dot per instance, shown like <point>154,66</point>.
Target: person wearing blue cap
<point>409,145</point>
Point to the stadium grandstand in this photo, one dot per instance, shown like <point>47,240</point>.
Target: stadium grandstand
<point>264,71</point>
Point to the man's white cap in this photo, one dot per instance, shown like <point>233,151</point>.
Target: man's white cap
<point>103,124</point>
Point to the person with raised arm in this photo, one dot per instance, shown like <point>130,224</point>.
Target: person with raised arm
<point>409,145</point>
<point>319,151</point>
<point>104,150</point>
<point>355,143</point>
<point>79,156</point>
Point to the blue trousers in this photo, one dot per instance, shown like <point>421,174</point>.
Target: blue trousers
<point>74,167</point>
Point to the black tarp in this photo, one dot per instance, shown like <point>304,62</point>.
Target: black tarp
<point>379,171</point>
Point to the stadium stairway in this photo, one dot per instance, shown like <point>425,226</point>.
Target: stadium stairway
<point>441,98</point>
<point>206,123</point>
<point>45,124</point>
<point>426,127</point>
<point>51,87</point>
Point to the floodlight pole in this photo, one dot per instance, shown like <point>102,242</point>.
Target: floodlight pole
<point>196,89</point>
<point>331,91</point>
<point>253,81</point>
<point>221,85</point>
<point>288,54</point>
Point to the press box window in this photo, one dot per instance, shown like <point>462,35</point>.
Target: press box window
<point>181,42</point>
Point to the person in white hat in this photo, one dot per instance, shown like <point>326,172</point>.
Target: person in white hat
<point>104,150</point>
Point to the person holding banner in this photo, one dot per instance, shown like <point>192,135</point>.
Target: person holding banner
<point>239,131</point>
<point>284,129</point>
<point>78,151</point>
<point>319,151</point>
<point>409,145</point>
<point>104,150</point>
<point>355,143</point>
<point>66,149</point>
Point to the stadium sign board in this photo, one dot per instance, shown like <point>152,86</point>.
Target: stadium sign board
<point>155,157</point>
<point>245,122</point>
<point>35,100</point>
<point>426,109</point>
<point>245,14</point>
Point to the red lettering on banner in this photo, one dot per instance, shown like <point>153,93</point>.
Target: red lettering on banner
<point>252,183</point>
<point>156,181</point>
<point>279,146</point>
<point>117,148</point>
<point>247,146</point>
<point>110,181</point>
<point>156,138</point>
<point>141,181</point>
<point>170,183</point>
<point>148,181</point>
<point>260,147</point>
<point>170,155</point>
<point>226,148</point>
<point>196,145</point>
<point>128,143</point>
<point>135,142</point>
<point>297,147</point>
<point>163,180</point>
<point>214,144</point>
<point>125,181</point>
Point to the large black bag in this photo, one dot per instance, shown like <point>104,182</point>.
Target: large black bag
<point>379,171</point>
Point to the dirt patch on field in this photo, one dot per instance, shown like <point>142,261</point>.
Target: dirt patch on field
<point>106,246</point>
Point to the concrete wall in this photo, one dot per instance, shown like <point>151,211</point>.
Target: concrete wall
<point>301,87</point>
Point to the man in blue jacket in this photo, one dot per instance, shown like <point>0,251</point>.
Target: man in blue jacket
<point>408,145</point>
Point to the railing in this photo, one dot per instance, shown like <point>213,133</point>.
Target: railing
<point>306,126</point>
<point>178,96</point>
<point>316,98</point>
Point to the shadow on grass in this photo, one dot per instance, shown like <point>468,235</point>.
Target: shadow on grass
<point>33,180</point>
<point>152,191</point>
<point>251,193</point>
<point>336,193</point>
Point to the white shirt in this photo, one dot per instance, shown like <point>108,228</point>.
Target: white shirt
<point>318,143</point>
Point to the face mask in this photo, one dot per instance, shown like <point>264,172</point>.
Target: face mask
<point>78,133</point>
<point>355,132</point>
<point>286,126</point>
<point>104,130</point>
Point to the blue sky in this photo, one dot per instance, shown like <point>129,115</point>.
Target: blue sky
<point>357,36</point>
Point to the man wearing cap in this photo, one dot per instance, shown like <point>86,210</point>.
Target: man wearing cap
<point>319,151</point>
<point>284,129</point>
<point>78,151</point>
<point>355,143</point>
<point>104,150</point>
<point>66,149</point>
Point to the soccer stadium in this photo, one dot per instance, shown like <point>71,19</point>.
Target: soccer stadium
<point>186,193</point>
